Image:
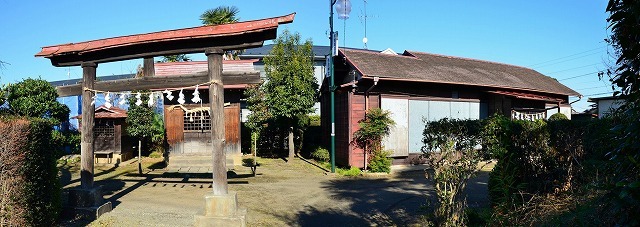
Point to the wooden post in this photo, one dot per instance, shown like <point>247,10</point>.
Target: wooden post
<point>216,100</point>
<point>148,68</point>
<point>88,115</point>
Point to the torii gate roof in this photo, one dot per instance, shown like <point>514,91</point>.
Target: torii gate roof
<point>240,35</point>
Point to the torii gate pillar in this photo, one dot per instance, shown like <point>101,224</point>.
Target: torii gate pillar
<point>87,200</point>
<point>221,206</point>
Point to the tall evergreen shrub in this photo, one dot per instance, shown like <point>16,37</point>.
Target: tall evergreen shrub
<point>31,191</point>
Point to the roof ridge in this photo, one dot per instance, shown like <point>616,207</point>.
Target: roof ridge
<point>470,59</point>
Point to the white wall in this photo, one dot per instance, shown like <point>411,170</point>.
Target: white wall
<point>398,139</point>
<point>566,110</point>
<point>605,107</point>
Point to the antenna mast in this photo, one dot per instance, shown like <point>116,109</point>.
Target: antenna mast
<point>365,40</point>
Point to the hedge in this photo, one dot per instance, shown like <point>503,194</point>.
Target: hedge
<point>534,158</point>
<point>31,191</point>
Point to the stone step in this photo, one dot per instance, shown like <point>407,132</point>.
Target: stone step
<point>195,162</point>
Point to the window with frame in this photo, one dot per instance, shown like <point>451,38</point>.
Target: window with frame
<point>197,121</point>
<point>104,130</point>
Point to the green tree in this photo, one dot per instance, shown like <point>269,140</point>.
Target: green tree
<point>259,116</point>
<point>375,126</point>
<point>625,36</point>
<point>175,58</point>
<point>140,123</point>
<point>290,90</point>
<point>36,98</point>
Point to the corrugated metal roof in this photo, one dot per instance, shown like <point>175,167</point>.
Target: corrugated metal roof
<point>318,51</point>
<point>170,35</point>
<point>192,67</point>
<point>100,78</point>
<point>425,67</point>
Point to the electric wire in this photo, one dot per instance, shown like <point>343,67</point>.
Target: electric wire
<point>555,63</point>
<point>590,95</point>
<point>590,88</point>
<point>566,56</point>
<point>578,76</point>
<point>579,67</point>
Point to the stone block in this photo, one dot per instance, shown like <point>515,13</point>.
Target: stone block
<point>81,197</point>
<point>220,205</point>
<point>88,203</point>
<point>222,210</point>
<point>93,213</point>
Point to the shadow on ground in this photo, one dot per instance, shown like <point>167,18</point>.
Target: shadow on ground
<point>398,200</point>
<point>118,185</point>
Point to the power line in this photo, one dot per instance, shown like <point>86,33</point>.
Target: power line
<point>583,75</point>
<point>588,88</point>
<point>587,82</point>
<point>589,95</point>
<point>571,59</point>
<point>584,66</point>
<point>567,56</point>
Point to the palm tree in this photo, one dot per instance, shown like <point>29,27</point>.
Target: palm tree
<point>222,15</point>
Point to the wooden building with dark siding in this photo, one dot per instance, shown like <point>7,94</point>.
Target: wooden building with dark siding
<point>111,142</point>
<point>188,125</point>
<point>417,87</point>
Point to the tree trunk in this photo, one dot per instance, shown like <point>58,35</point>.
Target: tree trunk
<point>292,151</point>
<point>254,143</point>
<point>140,157</point>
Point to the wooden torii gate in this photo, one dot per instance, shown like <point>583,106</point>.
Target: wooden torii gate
<point>211,40</point>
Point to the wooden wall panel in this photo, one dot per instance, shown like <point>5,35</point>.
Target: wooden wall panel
<point>232,124</point>
<point>174,123</point>
<point>117,140</point>
<point>342,128</point>
<point>356,154</point>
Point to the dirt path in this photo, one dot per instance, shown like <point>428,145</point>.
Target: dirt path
<point>283,194</point>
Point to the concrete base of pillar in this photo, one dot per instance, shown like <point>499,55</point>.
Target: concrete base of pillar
<point>88,203</point>
<point>222,210</point>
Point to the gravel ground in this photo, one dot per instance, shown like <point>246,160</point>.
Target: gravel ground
<point>282,194</point>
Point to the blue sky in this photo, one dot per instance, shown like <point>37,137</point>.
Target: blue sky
<point>561,39</point>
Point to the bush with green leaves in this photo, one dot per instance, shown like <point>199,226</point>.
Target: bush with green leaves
<point>321,154</point>
<point>351,172</point>
<point>30,191</point>
<point>380,162</point>
<point>36,98</point>
<point>624,39</point>
<point>539,159</point>
<point>374,126</point>
<point>558,117</point>
<point>62,140</point>
<point>450,148</point>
